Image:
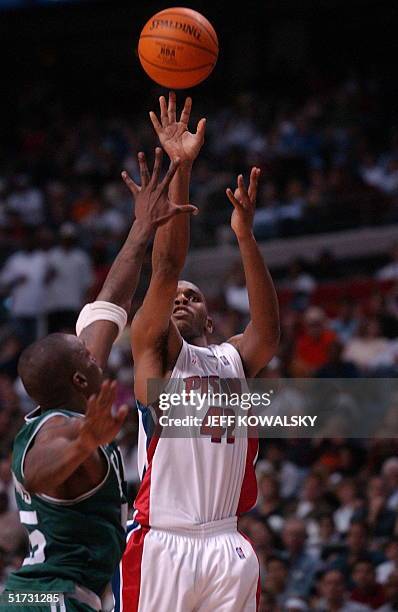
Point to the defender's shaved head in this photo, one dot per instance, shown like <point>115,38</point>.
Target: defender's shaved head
<point>58,367</point>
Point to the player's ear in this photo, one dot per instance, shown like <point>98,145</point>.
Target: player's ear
<point>80,381</point>
<point>209,325</point>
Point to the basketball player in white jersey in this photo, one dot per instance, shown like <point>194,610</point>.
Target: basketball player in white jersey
<point>184,553</point>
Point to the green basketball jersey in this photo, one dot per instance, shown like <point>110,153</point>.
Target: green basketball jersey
<point>71,542</point>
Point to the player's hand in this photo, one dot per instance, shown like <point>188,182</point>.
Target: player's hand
<point>244,203</point>
<point>174,136</point>
<point>100,424</point>
<point>152,205</point>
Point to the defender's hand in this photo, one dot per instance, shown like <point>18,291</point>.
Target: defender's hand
<point>174,136</point>
<point>100,425</point>
<point>244,203</point>
<point>152,205</point>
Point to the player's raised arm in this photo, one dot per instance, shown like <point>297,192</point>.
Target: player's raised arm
<point>152,321</point>
<point>100,322</point>
<point>64,444</point>
<point>259,342</point>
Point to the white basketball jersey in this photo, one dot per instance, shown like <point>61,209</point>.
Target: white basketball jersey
<point>198,479</point>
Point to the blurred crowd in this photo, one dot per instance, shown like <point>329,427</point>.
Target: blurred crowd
<point>325,524</point>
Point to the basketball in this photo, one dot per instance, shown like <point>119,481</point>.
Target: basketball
<point>178,48</point>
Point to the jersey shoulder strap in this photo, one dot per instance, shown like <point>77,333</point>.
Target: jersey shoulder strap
<point>34,421</point>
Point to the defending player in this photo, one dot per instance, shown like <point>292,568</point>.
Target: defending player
<point>185,553</point>
<point>68,473</point>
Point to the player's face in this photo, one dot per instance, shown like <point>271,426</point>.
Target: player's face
<point>190,311</point>
<point>89,368</point>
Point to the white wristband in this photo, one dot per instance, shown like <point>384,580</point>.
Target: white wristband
<point>101,311</point>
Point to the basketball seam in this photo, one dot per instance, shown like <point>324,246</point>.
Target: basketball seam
<point>211,35</point>
<point>182,42</point>
<point>174,69</point>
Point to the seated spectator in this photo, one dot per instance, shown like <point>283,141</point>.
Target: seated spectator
<point>323,537</point>
<point>391,594</point>
<point>336,366</point>
<point>301,283</point>
<point>378,518</point>
<point>366,590</point>
<point>389,473</point>
<point>269,507</point>
<point>275,461</point>
<point>266,217</point>
<point>277,571</point>
<point>357,547</point>
<point>302,565</point>
<point>347,494</point>
<point>384,570</point>
<point>333,595</point>
<point>68,279</point>
<point>312,344</point>
<point>346,322</point>
<point>311,500</point>
<point>364,348</point>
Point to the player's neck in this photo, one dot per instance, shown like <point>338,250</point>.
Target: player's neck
<point>73,403</point>
<point>199,341</point>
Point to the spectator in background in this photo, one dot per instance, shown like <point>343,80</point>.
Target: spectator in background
<point>357,547</point>
<point>269,508</point>
<point>379,519</point>
<point>277,571</point>
<point>365,347</point>
<point>346,322</point>
<point>366,590</point>
<point>26,201</point>
<point>68,279</point>
<point>384,570</point>
<point>391,593</point>
<point>333,595</point>
<point>266,217</point>
<point>336,366</point>
<point>236,294</point>
<point>389,472</point>
<point>22,277</point>
<point>347,494</point>
<point>302,565</point>
<point>313,343</point>
<point>275,461</point>
<point>301,283</point>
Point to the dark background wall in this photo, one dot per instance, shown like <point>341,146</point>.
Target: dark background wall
<point>86,52</point>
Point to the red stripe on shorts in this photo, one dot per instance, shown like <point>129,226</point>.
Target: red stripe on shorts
<point>131,570</point>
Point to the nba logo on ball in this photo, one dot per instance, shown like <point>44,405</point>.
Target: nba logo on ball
<point>240,552</point>
<point>178,48</point>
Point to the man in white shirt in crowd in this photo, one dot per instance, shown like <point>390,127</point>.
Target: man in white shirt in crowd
<point>22,279</point>
<point>68,279</point>
<point>25,200</point>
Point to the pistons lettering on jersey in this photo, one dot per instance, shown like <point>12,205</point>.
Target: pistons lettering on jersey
<point>212,384</point>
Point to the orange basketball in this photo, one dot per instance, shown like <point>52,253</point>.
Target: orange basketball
<point>178,48</point>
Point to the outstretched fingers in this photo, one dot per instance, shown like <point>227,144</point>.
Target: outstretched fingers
<point>156,167</point>
<point>164,117</point>
<point>171,111</point>
<point>234,201</point>
<point>201,129</point>
<point>144,172</point>
<point>186,111</point>
<point>155,122</point>
<point>253,184</point>
<point>133,187</point>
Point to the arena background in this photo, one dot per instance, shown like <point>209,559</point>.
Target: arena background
<point>308,92</point>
